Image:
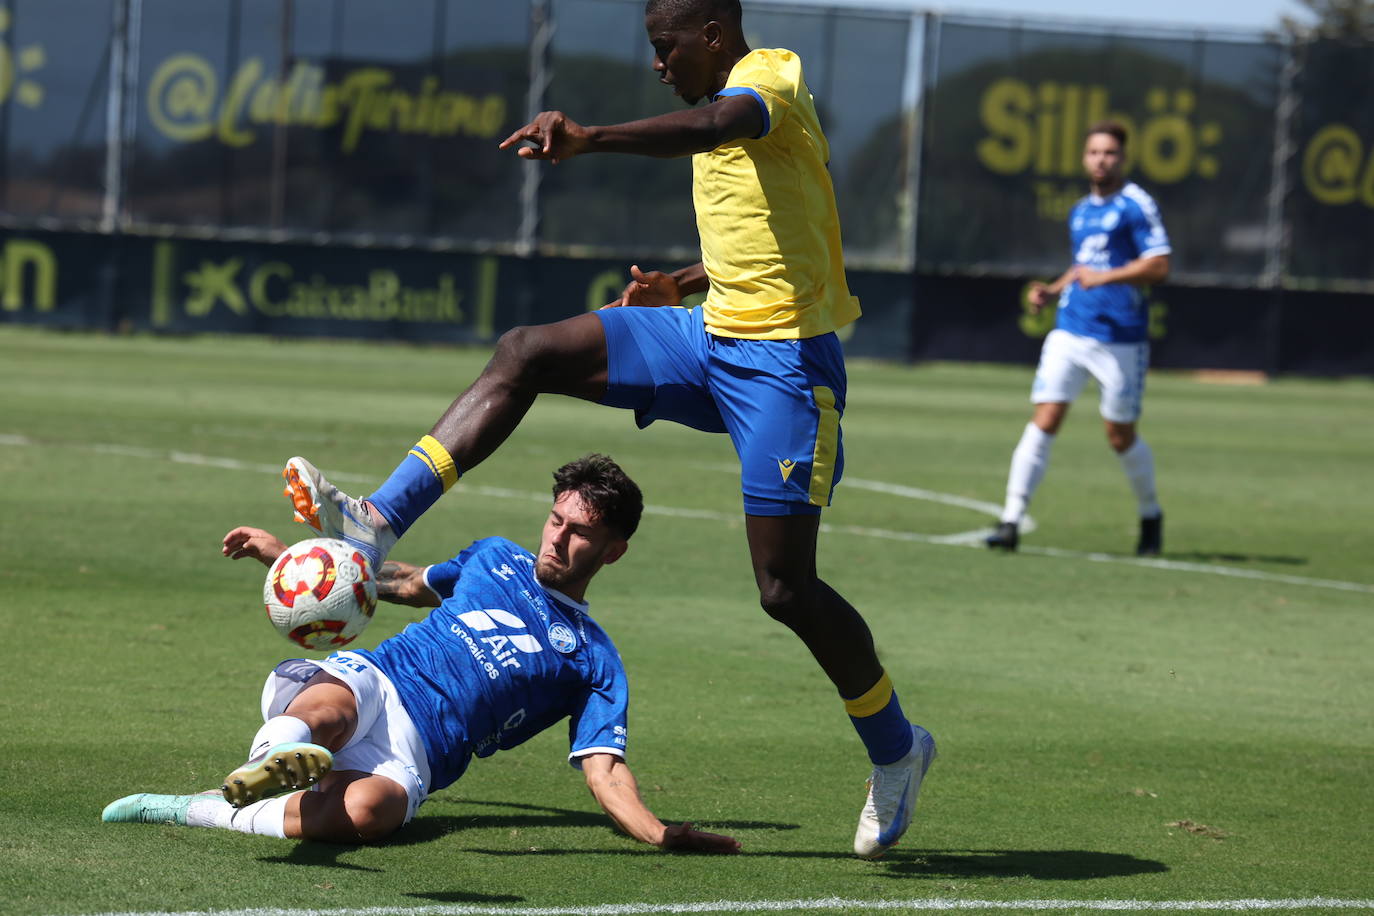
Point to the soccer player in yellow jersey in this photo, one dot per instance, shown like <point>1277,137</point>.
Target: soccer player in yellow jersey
<point>759,360</point>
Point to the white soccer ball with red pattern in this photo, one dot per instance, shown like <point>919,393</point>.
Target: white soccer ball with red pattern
<point>320,593</point>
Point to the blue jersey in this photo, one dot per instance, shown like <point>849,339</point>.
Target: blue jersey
<point>500,660</point>
<point>1106,233</point>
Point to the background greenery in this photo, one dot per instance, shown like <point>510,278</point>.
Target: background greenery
<point>1109,729</point>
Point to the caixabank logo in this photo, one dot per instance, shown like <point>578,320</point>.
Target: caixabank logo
<point>228,285</point>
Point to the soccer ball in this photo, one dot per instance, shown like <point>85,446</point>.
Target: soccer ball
<point>320,593</point>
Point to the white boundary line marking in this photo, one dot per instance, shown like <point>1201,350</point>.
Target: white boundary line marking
<point>918,904</point>
<point>961,539</point>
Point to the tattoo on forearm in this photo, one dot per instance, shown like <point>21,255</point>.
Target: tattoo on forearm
<point>390,580</point>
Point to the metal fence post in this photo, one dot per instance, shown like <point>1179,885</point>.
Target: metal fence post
<point>115,104</point>
<point>541,38</point>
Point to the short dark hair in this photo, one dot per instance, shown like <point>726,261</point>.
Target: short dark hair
<point>605,489</point>
<point>683,13</point>
<point>1110,128</point>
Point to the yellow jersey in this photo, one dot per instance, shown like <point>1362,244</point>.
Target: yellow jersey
<point>766,215</point>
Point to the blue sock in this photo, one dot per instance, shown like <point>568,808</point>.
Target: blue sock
<point>424,475</point>
<point>878,718</point>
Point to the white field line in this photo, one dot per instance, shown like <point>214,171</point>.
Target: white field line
<point>961,539</point>
<point>919,904</point>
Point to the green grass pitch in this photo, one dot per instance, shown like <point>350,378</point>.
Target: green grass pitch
<point>1198,729</point>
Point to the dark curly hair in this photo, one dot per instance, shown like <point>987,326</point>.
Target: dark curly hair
<point>605,489</point>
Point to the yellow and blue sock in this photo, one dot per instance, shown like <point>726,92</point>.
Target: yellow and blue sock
<point>878,718</point>
<point>424,475</point>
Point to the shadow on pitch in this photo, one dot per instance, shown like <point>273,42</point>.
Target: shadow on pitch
<point>323,855</point>
<point>465,897</point>
<point>1042,865</point>
<point>1224,556</point>
<point>519,816</point>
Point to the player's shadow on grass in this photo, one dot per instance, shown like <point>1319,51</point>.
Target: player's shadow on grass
<point>519,816</point>
<point>1041,865</point>
<point>1226,556</point>
<point>466,897</point>
<point>318,854</point>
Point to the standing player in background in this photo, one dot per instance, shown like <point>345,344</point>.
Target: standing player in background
<point>1119,246</point>
<point>759,360</point>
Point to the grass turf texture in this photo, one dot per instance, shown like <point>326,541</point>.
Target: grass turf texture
<point>1107,730</point>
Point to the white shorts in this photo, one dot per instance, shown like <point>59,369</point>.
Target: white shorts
<point>385,743</point>
<point>1067,360</point>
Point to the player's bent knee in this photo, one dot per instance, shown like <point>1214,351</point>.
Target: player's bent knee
<point>779,601</point>
<point>516,350</point>
<point>374,816</point>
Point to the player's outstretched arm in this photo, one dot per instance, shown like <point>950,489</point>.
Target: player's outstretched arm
<point>554,136</point>
<point>260,545</point>
<point>615,790</point>
<point>398,583</point>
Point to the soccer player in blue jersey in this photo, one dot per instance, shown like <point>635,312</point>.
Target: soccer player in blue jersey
<point>509,652</point>
<point>759,360</point>
<point>1120,246</point>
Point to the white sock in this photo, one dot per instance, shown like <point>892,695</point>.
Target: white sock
<point>209,811</point>
<point>278,730</point>
<point>1028,464</point>
<point>1138,462</point>
<point>266,818</point>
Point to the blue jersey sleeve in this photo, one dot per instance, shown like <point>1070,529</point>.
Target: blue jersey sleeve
<point>598,725</point>
<point>1146,225</point>
<point>442,578</point>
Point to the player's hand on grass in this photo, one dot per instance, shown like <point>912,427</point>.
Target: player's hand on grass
<point>262,546</point>
<point>554,136</point>
<point>654,288</point>
<point>682,838</point>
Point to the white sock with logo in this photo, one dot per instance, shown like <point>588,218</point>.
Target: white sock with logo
<point>1138,462</point>
<point>1028,464</point>
<point>278,730</point>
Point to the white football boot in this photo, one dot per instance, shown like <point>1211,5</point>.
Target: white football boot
<point>892,792</point>
<point>332,513</point>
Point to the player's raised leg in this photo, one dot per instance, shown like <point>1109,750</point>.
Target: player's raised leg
<point>567,357</point>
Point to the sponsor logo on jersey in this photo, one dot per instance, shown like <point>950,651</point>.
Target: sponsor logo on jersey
<point>562,638</point>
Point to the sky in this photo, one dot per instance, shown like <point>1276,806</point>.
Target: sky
<point>1245,15</point>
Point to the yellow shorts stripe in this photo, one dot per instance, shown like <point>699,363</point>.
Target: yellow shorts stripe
<point>439,460</point>
<point>872,702</point>
<point>827,445</point>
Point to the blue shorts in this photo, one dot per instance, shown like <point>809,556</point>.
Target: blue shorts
<point>780,400</point>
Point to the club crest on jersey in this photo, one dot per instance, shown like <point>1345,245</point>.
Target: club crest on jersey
<point>562,638</point>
